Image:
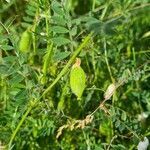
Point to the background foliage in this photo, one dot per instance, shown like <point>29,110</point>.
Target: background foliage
<point>118,49</point>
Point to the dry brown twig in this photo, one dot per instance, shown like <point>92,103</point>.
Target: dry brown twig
<point>75,124</point>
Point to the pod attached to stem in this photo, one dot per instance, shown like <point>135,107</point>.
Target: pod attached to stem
<point>77,79</point>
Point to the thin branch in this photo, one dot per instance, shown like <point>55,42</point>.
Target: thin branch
<point>4,27</point>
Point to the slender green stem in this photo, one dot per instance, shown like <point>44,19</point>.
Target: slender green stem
<point>33,30</point>
<point>93,5</point>
<point>113,138</point>
<point>107,63</point>
<point>104,12</point>
<point>142,52</point>
<point>18,127</point>
<point>4,27</point>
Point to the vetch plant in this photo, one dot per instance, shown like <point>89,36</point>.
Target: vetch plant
<point>49,100</point>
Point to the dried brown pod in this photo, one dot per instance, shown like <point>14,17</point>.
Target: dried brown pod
<point>110,91</point>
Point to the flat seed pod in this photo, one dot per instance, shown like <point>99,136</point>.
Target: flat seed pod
<point>110,91</point>
<point>25,42</point>
<point>77,79</point>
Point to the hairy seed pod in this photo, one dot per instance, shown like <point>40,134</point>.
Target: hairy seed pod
<point>25,42</point>
<point>77,79</point>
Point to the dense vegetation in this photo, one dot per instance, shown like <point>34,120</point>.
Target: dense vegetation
<point>40,41</point>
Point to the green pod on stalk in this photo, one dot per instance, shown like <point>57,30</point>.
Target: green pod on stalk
<point>77,79</point>
<point>25,41</point>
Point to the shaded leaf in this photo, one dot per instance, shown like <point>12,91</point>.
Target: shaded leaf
<point>59,41</point>
<point>6,47</point>
<point>59,29</point>
<point>61,55</point>
<point>59,20</point>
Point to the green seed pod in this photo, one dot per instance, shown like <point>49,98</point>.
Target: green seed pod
<point>25,42</point>
<point>77,79</point>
